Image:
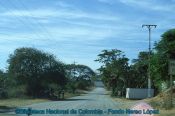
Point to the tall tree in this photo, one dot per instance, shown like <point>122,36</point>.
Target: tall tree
<point>80,71</point>
<point>165,50</point>
<point>36,70</point>
<point>80,76</point>
<point>3,85</point>
<point>114,69</point>
<point>139,70</point>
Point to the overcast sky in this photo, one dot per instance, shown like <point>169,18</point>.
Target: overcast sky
<point>77,30</point>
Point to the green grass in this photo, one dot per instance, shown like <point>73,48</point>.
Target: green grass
<point>7,104</point>
<point>12,103</point>
<point>2,114</point>
<point>69,95</point>
<point>16,102</point>
<point>167,112</point>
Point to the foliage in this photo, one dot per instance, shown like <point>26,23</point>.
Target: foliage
<point>139,71</point>
<point>117,74</point>
<point>36,70</point>
<point>78,72</point>
<point>35,73</point>
<point>80,77</point>
<point>165,50</point>
<point>3,86</point>
<point>114,69</point>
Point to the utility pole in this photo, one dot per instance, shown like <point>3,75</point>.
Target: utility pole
<point>149,66</point>
<point>74,68</point>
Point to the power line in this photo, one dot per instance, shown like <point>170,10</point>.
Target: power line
<point>37,22</point>
<point>31,24</point>
<point>21,21</point>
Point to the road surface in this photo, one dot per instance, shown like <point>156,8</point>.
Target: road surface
<point>95,103</point>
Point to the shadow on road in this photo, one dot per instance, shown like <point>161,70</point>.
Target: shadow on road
<point>100,93</point>
<point>75,99</point>
<point>4,109</point>
<point>103,94</point>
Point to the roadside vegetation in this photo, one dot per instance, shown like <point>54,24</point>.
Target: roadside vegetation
<point>35,74</point>
<point>118,74</point>
<point>156,102</point>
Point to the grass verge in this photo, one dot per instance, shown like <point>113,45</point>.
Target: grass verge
<point>156,102</point>
<point>7,105</point>
<point>17,102</point>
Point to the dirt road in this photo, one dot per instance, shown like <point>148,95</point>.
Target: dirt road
<point>95,103</point>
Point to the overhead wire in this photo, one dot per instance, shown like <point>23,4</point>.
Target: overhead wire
<point>38,36</point>
<point>37,23</point>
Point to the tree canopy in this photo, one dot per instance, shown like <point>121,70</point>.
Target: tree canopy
<point>118,74</point>
<point>114,69</point>
<point>36,69</point>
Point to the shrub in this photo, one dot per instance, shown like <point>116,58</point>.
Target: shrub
<point>3,94</point>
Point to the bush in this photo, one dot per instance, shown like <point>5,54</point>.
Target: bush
<point>71,87</point>
<point>83,84</point>
<point>3,94</point>
<point>17,92</point>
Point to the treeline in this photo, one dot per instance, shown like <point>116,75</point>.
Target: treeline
<point>34,73</point>
<point>117,74</point>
